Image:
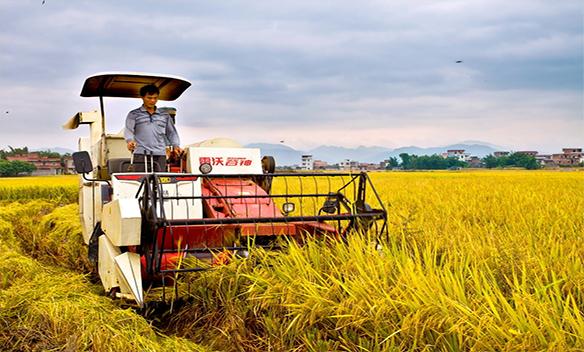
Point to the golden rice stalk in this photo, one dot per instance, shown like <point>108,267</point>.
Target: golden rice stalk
<point>476,261</point>
<point>43,308</point>
<point>63,189</point>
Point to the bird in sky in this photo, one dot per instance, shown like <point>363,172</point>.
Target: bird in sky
<point>458,61</point>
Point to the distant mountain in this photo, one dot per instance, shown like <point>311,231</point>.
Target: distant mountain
<point>334,154</point>
<point>285,155</point>
<point>494,146</point>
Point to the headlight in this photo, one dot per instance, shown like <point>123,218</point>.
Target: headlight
<point>205,168</point>
<point>288,207</point>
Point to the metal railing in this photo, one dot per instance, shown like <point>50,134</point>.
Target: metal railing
<point>330,203</point>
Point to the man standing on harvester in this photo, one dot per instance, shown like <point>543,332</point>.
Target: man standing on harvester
<point>148,129</point>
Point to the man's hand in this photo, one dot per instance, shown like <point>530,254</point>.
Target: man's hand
<point>131,146</point>
<point>177,150</point>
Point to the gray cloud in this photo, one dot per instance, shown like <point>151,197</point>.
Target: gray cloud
<point>300,65</point>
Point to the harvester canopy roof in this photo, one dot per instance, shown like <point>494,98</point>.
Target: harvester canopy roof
<point>128,84</point>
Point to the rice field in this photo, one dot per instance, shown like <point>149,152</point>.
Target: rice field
<point>61,188</point>
<point>475,261</point>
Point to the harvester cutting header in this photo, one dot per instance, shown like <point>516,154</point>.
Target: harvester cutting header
<point>214,197</point>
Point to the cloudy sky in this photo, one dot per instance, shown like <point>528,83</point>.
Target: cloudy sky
<point>347,73</point>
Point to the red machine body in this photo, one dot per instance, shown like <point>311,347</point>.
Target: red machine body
<point>227,198</point>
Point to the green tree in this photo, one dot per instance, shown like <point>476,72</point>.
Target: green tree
<point>392,162</point>
<point>49,154</point>
<point>429,162</point>
<point>514,159</point>
<point>17,151</point>
<point>406,160</point>
<point>15,168</point>
<point>491,161</point>
<point>454,162</point>
<point>22,167</point>
<point>6,168</point>
<point>504,161</point>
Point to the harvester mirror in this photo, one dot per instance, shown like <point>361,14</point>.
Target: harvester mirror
<point>268,164</point>
<point>82,162</point>
<point>288,207</point>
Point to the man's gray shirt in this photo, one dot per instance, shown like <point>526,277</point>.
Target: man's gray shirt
<point>149,131</point>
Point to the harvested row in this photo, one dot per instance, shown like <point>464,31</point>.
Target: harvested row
<point>46,307</point>
<point>44,230</point>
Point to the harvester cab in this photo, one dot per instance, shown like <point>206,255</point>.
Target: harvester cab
<point>216,199</point>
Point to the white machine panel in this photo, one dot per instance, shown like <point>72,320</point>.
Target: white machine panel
<point>225,161</point>
<point>85,144</point>
<point>172,185</point>
<point>90,209</point>
<point>106,264</point>
<point>126,188</point>
<point>116,147</point>
<point>122,221</point>
<point>130,276</point>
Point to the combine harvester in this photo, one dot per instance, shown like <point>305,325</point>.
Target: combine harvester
<point>217,198</point>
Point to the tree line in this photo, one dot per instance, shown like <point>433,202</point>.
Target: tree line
<point>513,159</point>
<point>24,150</point>
<point>436,162</point>
<point>425,162</point>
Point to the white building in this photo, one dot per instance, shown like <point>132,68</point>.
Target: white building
<point>307,162</point>
<point>456,153</point>
<point>349,165</point>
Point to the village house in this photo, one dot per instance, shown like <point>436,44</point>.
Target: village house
<point>349,165</point>
<point>569,157</point>
<point>457,154</point>
<point>368,166</point>
<point>475,161</point>
<point>68,165</point>
<point>544,159</point>
<point>319,165</point>
<point>44,165</point>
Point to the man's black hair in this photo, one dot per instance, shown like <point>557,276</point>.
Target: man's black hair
<point>149,89</point>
